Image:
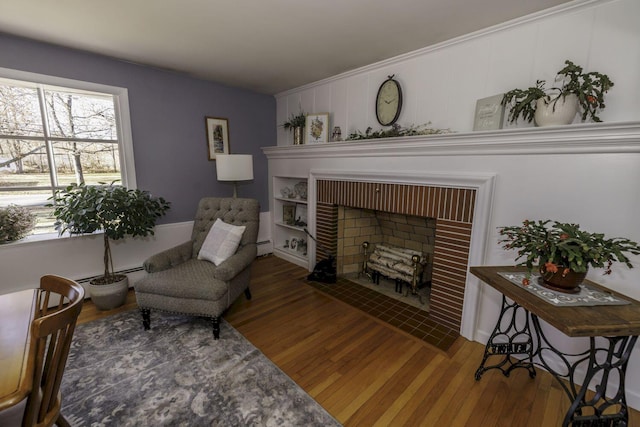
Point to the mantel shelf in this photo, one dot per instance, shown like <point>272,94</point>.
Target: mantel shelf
<point>621,137</point>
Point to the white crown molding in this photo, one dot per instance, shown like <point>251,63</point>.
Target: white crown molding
<point>553,11</point>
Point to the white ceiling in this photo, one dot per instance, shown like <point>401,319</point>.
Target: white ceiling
<point>264,45</point>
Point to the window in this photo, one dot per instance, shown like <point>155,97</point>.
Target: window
<point>54,132</point>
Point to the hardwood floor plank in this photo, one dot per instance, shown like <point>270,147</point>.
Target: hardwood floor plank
<point>380,377</point>
<point>367,373</point>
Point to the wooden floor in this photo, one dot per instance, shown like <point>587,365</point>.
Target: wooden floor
<point>366,373</point>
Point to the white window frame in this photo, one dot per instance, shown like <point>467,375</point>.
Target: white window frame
<point>125,139</point>
<point>121,105</point>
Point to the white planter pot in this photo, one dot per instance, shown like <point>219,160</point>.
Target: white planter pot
<point>555,113</point>
<point>113,295</point>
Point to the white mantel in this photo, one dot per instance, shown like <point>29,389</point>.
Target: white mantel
<point>587,174</point>
<point>581,138</point>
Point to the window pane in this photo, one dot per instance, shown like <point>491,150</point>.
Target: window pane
<point>23,163</point>
<point>19,111</point>
<point>34,159</point>
<point>73,115</point>
<point>89,161</point>
<point>34,201</point>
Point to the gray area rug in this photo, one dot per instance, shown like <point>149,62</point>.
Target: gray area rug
<point>176,374</point>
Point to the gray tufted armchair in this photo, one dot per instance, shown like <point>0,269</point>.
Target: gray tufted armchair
<point>179,282</point>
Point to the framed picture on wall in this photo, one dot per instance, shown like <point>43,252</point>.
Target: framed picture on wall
<point>316,128</point>
<point>217,136</point>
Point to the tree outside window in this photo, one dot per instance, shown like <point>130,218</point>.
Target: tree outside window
<point>51,137</point>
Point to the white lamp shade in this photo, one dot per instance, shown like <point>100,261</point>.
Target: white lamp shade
<point>234,167</point>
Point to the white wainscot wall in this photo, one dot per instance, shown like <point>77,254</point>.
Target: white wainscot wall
<point>79,257</point>
<point>586,174</point>
<point>442,83</point>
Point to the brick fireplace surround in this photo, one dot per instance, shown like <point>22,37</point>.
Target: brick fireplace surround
<point>452,209</point>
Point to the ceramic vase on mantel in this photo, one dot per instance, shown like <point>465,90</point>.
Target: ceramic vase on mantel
<point>558,112</point>
<point>567,282</point>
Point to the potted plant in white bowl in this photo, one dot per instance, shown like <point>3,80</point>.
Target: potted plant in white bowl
<point>558,105</point>
<point>116,211</point>
<point>563,252</point>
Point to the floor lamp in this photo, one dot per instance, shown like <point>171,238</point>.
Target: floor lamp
<point>234,167</point>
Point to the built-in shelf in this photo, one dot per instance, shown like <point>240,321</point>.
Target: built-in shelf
<point>286,233</point>
<point>291,200</point>
<point>291,227</point>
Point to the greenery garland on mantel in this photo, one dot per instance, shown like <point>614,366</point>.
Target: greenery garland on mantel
<point>396,131</point>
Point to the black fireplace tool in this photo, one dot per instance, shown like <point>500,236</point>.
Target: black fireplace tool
<point>325,270</point>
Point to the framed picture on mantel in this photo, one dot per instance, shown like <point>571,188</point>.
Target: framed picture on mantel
<point>489,113</point>
<point>317,128</point>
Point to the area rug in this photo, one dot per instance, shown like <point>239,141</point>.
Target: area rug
<point>176,374</point>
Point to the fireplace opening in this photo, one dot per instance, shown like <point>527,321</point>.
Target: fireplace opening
<point>387,252</point>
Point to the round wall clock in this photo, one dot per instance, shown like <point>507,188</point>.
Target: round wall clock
<point>389,102</point>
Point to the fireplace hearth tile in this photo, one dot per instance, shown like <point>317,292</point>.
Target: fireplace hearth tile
<point>405,317</point>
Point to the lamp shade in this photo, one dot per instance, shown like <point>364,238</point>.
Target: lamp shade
<point>234,167</point>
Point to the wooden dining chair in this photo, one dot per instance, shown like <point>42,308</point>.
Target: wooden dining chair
<point>59,304</point>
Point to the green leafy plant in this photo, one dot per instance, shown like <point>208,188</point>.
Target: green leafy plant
<point>113,209</point>
<point>551,245</point>
<point>590,89</point>
<point>295,121</point>
<point>396,131</point>
<point>15,223</point>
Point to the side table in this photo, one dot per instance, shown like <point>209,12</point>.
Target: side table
<point>518,333</point>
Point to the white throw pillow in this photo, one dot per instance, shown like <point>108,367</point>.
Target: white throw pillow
<point>221,242</point>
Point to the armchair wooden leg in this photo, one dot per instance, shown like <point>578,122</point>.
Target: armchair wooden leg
<point>146,318</point>
<point>216,327</point>
<point>247,293</point>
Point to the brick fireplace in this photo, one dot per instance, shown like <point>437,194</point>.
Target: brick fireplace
<point>450,209</point>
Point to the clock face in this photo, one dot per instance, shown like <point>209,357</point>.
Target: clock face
<point>388,102</point>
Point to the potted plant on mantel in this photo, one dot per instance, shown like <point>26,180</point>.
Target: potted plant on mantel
<point>558,105</point>
<point>117,212</point>
<point>562,252</point>
<point>296,124</point>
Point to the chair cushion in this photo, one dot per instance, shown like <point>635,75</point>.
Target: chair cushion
<point>221,242</point>
<point>191,279</point>
<point>235,211</point>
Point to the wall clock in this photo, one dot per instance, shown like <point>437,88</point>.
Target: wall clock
<point>388,102</point>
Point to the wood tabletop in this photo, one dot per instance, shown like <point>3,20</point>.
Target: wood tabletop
<point>576,321</point>
<point>16,313</point>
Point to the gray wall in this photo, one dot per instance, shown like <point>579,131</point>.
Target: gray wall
<point>168,121</point>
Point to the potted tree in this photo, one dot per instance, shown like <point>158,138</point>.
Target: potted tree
<point>296,124</point>
<point>562,252</point>
<point>117,212</point>
<point>558,105</point>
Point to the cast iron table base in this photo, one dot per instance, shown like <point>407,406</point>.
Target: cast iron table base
<point>513,336</point>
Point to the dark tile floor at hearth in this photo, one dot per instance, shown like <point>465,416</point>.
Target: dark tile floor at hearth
<point>396,313</point>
